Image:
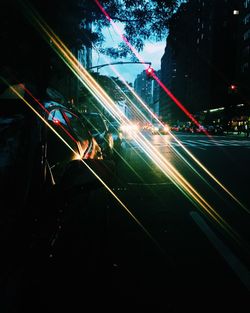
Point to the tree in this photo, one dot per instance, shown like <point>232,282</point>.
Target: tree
<point>142,20</point>
<point>26,56</point>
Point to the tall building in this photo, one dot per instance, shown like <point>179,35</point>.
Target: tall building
<point>143,86</point>
<point>200,60</point>
<point>156,95</point>
<point>243,83</point>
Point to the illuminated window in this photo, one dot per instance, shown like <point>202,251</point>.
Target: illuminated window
<point>244,67</point>
<point>236,12</point>
<point>247,19</point>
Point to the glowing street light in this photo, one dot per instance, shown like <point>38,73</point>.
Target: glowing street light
<point>150,72</point>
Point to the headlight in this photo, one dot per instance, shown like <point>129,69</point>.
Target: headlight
<point>127,128</point>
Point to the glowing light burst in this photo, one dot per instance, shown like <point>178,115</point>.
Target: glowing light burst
<point>143,117</point>
<point>83,75</point>
<point>85,164</point>
<point>153,75</point>
<point>178,103</point>
<point>111,107</point>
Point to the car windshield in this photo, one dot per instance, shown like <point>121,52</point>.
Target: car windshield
<point>96,122</point>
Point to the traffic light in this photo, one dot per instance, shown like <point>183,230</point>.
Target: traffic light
<point>232,89</point>
<point>150,72</point>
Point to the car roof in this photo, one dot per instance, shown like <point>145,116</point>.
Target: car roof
<point>50,104</point>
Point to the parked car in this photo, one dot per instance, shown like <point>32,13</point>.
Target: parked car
<point>100,131</point>
<point>114,128</point>
<point>79,142</point>
<point>159,128</point>
<point>46,153</point>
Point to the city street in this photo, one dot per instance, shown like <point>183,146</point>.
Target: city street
<point>124,156</point>
<point>159,251</point>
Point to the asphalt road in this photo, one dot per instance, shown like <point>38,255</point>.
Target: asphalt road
<point>155,245</point>
<point>206,247</point>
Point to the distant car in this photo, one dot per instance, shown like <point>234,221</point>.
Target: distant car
<point>159,128</point>
<point>129,129</point>
<point>175,128</point>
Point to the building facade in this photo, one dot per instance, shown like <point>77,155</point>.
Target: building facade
<point>201,60</point>
<point>143,86</point>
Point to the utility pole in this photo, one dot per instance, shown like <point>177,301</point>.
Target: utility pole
<point>116,63</point>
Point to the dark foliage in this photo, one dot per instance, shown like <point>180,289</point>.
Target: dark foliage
<point>24,48</point>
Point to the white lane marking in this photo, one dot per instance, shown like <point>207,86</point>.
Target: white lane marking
<point>150,184</point>
<point>201,148</point>
<point>205,142</point>
<point>199,143</point>
<point>240,269</point>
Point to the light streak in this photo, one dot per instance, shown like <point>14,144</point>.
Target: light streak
<point>176,101</point>
<point>88,167</point>
<point>176,139</point>
<point>110,106</point>
<point>153,75</point>
<point>41,117</point>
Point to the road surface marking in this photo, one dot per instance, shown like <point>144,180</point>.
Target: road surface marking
<point>240,269</point>
<point>150,184</point>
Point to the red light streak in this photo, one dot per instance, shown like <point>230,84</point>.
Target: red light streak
<point>57,122</point>
<point>168,92</point>
<point>177,102</point>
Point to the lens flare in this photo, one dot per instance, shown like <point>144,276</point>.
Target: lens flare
<point>108,104</point>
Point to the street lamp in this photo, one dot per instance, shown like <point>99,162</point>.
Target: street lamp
<point>117,63</point>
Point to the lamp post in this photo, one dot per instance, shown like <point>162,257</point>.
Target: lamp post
<point>117,63</point>
<point>122,63</point>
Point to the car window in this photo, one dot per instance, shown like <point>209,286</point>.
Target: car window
<point>97,122</point>
<point>114,126</point>
<point>76,124</point>
<point>56,115</point>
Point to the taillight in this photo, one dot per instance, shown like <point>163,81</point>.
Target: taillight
<point>56,121</point>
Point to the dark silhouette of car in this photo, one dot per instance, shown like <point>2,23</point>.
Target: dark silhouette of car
<point>48,161</point>
<point>100,131</point>
<point>46,154</point>
<point>68,140</point>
